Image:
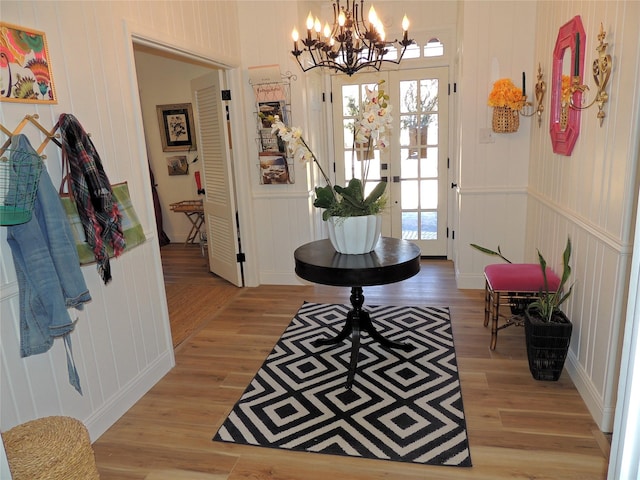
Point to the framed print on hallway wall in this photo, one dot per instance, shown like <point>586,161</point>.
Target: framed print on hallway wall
<point>25,66</point>
<point>176,127</point>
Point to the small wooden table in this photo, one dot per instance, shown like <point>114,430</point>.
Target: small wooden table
<point>194,210</point>
<point>391,261</point>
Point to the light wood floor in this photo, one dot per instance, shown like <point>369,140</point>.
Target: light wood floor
<point>518,428</point>
<point>194,295</point>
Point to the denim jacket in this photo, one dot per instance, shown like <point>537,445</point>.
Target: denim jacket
<point>47,268</point>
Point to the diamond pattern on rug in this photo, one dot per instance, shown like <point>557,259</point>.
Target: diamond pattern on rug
<point>404,406</point>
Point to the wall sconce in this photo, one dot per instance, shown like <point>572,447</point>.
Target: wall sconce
<point>540,89</point>
<point>601,73</point>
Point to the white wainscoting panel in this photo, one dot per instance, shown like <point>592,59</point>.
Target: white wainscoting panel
<point>591,196</point>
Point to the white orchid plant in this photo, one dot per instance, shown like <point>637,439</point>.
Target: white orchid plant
<point>372,128</point>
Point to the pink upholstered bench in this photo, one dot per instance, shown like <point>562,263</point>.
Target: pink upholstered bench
<point>512,285</point>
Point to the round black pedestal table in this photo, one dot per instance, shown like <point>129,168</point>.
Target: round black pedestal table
<point>391,261</point>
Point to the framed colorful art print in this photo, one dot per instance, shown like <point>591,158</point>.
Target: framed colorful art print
<point>25,67</point>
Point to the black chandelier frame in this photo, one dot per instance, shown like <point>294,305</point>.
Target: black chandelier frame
<point>357,44</point>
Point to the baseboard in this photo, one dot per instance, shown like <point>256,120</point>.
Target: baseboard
<point>280,278</point>
<point>468,281</point>
<point>601,414</point>
<point>104,417</point>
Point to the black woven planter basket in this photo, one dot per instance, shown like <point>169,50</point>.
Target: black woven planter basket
<point>547,345</point>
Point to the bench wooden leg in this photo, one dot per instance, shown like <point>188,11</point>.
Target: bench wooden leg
<point>495,313</point>
<point>491,311</point>
<point>487,304</point>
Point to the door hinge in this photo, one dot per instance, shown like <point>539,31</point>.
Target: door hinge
<point>448,163</point>
<point>240,257</point>
<point>453,234</point>
<point>447,232</point>
<point>226,95</point>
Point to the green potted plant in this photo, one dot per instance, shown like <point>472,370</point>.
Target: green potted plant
<point>349,202</point>
<point>547,328</point>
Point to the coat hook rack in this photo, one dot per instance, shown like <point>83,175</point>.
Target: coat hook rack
<point>50,135</point>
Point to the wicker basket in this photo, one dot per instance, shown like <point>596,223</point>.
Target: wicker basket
<point>19,177</point>
<point>505,120</point>
<point>50,448</point>
<point>547,346</point>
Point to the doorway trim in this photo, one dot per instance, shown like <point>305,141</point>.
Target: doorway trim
<point>137,34</point>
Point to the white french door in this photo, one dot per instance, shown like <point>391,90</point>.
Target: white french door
<point>414,164</point>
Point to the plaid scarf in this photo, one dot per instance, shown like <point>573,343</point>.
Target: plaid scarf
<point>92,193</point>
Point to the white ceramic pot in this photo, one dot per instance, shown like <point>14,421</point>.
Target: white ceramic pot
<point>354,235</point>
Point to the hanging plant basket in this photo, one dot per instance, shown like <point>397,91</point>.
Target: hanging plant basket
<point>505,120</point>
<point>363,151</point>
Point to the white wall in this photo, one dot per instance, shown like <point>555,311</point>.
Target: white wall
<point>493,177</point>
<point>590,196</point>
<point>122,342</point>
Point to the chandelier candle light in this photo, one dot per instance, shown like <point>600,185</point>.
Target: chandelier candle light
<point>351,44</point>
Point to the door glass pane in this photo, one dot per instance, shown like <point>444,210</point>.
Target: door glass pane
<point>408,96</point>
<point>410,225</point>
<point>348,133</point>
<point>409,168</point>
<point>429,165</point>
<point>428,225</point>
<point>429,194</point>
<point>350,95</point>
<point>409,195</point>
<point>429,95</point>
<point>432,129</point>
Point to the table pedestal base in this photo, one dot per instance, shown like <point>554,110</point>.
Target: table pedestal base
<point>358,320</point>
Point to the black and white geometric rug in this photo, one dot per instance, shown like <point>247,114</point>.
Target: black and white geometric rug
<point>404,406</point>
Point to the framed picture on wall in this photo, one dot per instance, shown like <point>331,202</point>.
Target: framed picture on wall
<point>25,69</point>
<point>176,127</point>
<point>178,165</point>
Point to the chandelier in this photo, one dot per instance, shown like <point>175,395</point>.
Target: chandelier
<point>351,44</point>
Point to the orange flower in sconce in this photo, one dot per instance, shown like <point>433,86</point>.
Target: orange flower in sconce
<point>506,94</point>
